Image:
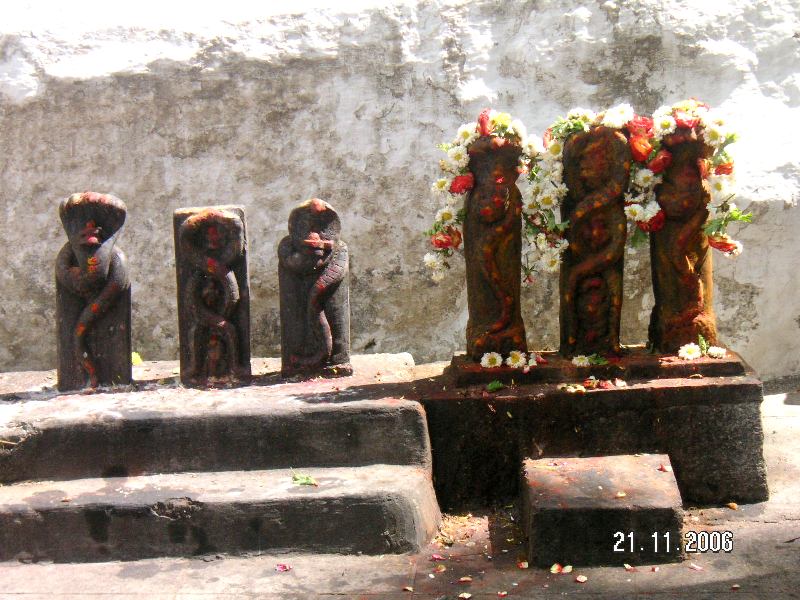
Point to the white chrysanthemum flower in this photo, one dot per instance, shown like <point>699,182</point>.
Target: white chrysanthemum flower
<point>689,351</point>
<point>554,149</point>
<point>532,145</point>
<point>446,215</point>
<point>448,166</point>
<point>518,127</point>
<point>437,275</point>
<point>635,212</point>
<point>459,156</point>
<point>550,260</point>
<point>516,359</point>
<point>716,352</point>
<point>714,135</point>
<point>663,124</point>
<point>434,261</point>
<point>722,187</point>
<point>531,207</point>
<point>541,242</point>
<point>581,360</point>
<point>490,360</point>
<point>548,198</point>
<point>561,244</point>
<point>617,116</point>
<point>441,186</point>
<point>582,114</point>
<point>651,209</point>
<point>466,134</point>
<point>645,179</point>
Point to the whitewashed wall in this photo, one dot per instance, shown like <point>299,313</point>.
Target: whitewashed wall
<point>168,106</point>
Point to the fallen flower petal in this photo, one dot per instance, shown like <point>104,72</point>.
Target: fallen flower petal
<point>665,468</point>
<point>523,564</point>
<point>439,569</point>
<point>628,567</point>
<point>581,579</point>
<point>556,568</point>
<point>735,586</point>
<point>655,569</point>
<point>502,594</point>
<point>465,595</point>
<point>732,505</point>
<point>408,588</point>
<point>437,557</point>
<point>695,567</point>
<point>282,568</point>
<point>465,579</point>
<point>620,495</point>
<point>567,569</point>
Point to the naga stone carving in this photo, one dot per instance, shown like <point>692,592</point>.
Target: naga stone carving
<point>492,249</point>
<point>679,253</point>
<point>213,294</point>
<point>93,294</point>
<point>596,170</point>
<point>313,270</point>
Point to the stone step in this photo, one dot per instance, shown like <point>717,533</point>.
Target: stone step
<point>372,510</point>
<point>605,510</point>
<point>175,429</point>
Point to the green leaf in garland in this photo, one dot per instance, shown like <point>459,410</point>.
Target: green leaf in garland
<point>493,386</point>
<point>596,359</point>
<point>637,237</point>
<point>701,341</point>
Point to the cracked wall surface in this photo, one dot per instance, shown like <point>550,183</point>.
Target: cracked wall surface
<point>167,109</point>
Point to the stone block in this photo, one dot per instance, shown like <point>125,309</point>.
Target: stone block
<point>604,510</point>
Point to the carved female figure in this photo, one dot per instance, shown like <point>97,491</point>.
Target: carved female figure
<point>492,249</point>
<point>213,298</point>
<point>93,306</point>
<point>596,170</point>
<point>680,255</point>
<point>313,268</point>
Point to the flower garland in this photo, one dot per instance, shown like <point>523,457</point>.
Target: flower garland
<point>543,232</point>
<point>456,181</point>
<point>651,159</point>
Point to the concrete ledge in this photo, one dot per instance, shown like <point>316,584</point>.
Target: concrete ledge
<point>372,510</point>
<point>351,421</point>
<point>604,510</point>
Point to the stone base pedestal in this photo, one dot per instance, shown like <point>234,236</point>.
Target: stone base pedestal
<point>604,510</point>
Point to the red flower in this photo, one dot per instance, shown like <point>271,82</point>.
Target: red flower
<point>724,244</point>
<point>661,161</point>
<point>484,126</point>
<point>724,168</point>
<point>640,147</point>
<point>684,119</point>
<point>449,238</point>
<point>640,125</point>
<point>462,183</point>
<point>654,224</point>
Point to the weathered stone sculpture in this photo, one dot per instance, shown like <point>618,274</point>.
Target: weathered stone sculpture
<point>596,170</point>
<point>680,254</point>
<point>213,294</point>
<point>93,294</point>
<point>492,249</point>
<point>313,269</point>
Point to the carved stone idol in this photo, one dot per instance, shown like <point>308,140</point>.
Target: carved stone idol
<point>93,294</point>
<point>492,249</point>
<point>213,294</point>
<point>596,170</point>
<point>313,269</point>
<point>679,253</point>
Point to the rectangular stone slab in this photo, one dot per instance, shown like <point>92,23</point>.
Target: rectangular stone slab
<point>372,510</point>
<point>604,510</point>
<point>350,421</point>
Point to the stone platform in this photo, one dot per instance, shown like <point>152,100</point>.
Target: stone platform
<point>705,418</point>
<point>156,469</point>
<point>602,510</point>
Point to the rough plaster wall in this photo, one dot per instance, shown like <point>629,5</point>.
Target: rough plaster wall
<point>266,110</point>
